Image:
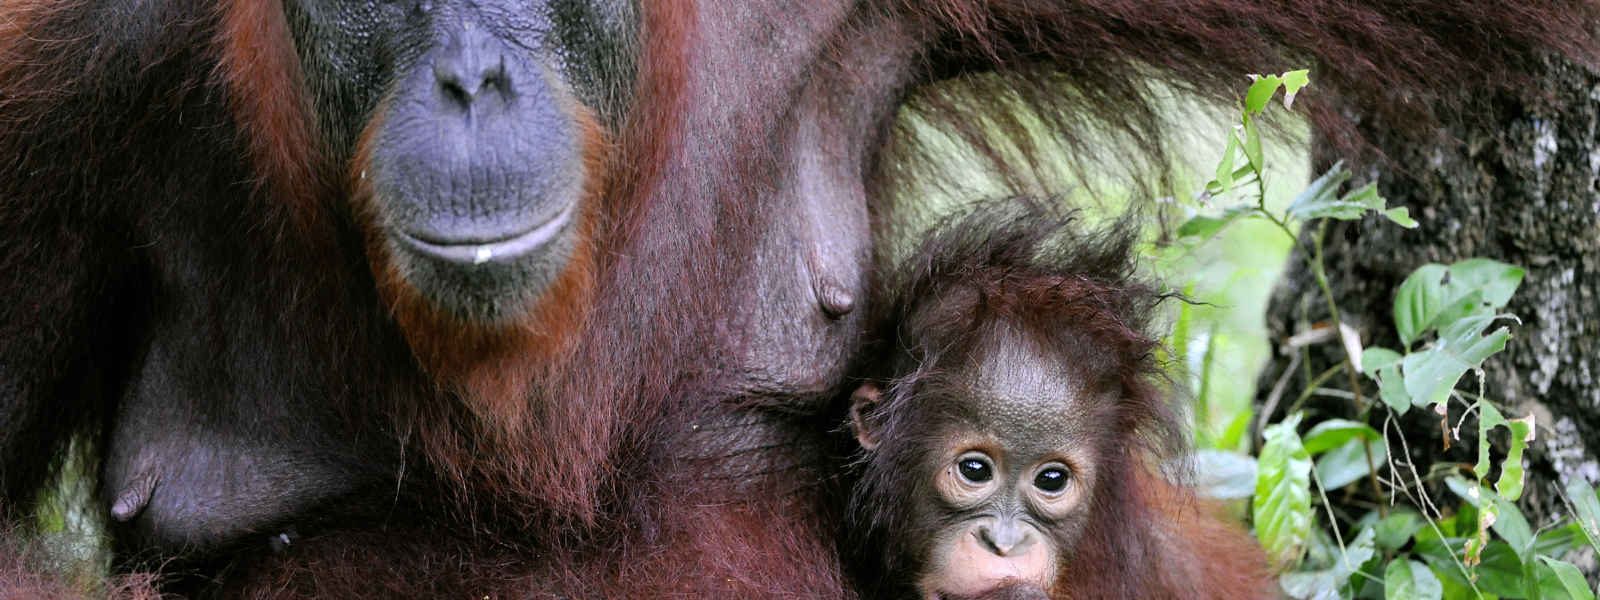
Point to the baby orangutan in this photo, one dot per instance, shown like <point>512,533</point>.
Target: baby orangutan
<point>1009,435</point>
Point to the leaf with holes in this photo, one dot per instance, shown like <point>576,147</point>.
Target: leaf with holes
<point>1434,296</point>
<point>1383,366</point>
<point>1260,93</point>
<point>1431,374</point>
<point>1293,81</point>
<point>1509,485</point>
<point>1496,280</point>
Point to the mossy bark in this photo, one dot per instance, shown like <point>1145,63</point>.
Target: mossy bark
<point>1518,182</point>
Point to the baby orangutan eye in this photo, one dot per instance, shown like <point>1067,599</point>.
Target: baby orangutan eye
<point>975,469</point>
<point>1052,479</point>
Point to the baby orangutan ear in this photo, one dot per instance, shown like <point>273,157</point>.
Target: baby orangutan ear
<point>863,404</point>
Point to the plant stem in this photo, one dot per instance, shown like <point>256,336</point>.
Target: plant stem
<point>1319,269</point>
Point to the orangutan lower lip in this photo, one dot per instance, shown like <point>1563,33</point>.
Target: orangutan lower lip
<point>505,249</point>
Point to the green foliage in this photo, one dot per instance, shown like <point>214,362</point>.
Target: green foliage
<point>1587,508</point>
<point>1409,579</point>
<point>1281,507</point>
<point>1571,580</point>
<point>1449,320</point>
<point>1326,582</point>
<point>1321,201</point>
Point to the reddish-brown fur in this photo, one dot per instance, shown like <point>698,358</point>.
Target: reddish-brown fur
<point>1167,544</point>
<point>545,455</point>
<point>491,365</point>
<point>1076,293</point>
<point>1102,47</point>
<point>256,58</point>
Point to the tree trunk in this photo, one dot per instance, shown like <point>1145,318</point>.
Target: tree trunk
<point>1519,183</point>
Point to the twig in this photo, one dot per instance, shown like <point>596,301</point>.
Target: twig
<point>1275,395</point>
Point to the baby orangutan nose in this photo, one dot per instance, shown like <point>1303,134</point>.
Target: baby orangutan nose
<point>992,554</point>
<point>1005,538</point>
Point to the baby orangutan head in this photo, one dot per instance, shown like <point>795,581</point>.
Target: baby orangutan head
<point>1013,401</point>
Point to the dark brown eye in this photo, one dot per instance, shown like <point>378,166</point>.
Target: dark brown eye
<point>1051,480</point>
<point>975,470</point>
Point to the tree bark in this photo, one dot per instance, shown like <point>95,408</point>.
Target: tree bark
<point>1518,182</point>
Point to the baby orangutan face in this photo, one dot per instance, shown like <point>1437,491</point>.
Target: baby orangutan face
<point>1000,465</point>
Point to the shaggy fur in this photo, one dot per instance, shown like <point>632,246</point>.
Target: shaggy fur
<point>166,199</point>
<point>1076,293</point>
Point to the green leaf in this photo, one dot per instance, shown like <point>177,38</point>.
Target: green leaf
<point>1320,202</point>
<point>1512,527</point>
<point>1326,583</point>
<point>1440,554</point>
<point>1362,199</point>
<point>1383,365</point>
<point>1465,489</point>
<point>1401,216</point>
<point>1225,168</point>
<point>1224,475</point>
<point>1333,433</point>
<point>1571,579</point>
<point>1419,299</point>
<point>1366,198</point>
<point>1376,358</point>
<point>1356,553</point>
<point>1281,508</point>
<point>1587,508</point>
<point>1392,532</point>
<point>1203,227</point>
<point>1309,585</point>
<point>1494,512</point>
<point>1410,580</point>
<point>1252,145</point>
<point>1347,463</point>
<point>1489,418</point>
<point>1260,93</point>
<point>1392,389</point>
<point>1558,540</point>
<point>1434,296</point>
<point>1233,435</point>
<point>1431,374</point>
<point>1293,81</point>
<point>1322,192</point>
<point>1497,280</point>
<point>1500,572</point>
<point>1509,485</point>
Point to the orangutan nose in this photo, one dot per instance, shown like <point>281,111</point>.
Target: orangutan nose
<point>1005,538</point>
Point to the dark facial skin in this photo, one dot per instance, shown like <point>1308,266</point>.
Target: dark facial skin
<point>477,163</point>
<point>1001,488</point>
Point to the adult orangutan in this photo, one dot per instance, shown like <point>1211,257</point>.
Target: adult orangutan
<point>508,297</point>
